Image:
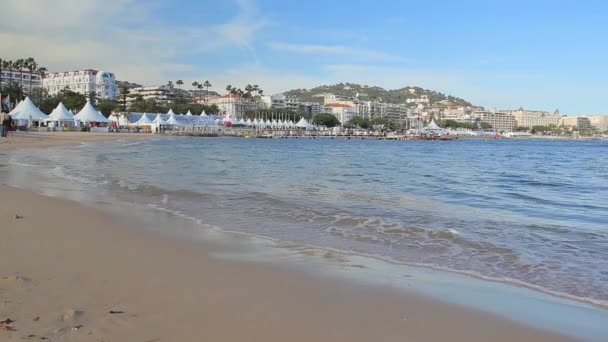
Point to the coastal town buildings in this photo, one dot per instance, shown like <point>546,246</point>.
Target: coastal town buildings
<point>234,105</point>
<point>371,109</point>
<point>423,99</point>
<point>579,122</point>
<point>343,112</point>
<point>599,122</point>
<point>161,95</point>
<point>102,83</point>
<point>397,112</point>
<point>500,121</point>
<point>24,78</point>
<point>531,118</point>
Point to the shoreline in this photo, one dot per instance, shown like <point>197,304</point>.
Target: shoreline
<point>57,263</point>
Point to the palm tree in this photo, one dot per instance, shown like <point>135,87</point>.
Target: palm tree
<point>179,84</point>
<point>195,85</point>
<point>32,66</point>
<point>170,84</point>
<point>19,64</point>
<point>229,88</point>
<point>248,90</point>
<point>207,85</point>
<point>1,66</point>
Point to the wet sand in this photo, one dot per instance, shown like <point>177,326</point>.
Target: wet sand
<point>74,273</point>
<point>63,265</point>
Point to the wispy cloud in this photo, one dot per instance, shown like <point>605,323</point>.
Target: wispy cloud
<point>120,36</point>
<point>335,50</point>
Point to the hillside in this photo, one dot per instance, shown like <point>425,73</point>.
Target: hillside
<point>374,93</point>
<point>129,85</point>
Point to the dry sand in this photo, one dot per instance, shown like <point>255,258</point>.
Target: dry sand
<point>43,139</point>
<point>65,267</point>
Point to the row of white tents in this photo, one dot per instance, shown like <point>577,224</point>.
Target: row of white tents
<point>26,113</point>
<point>280,124</point>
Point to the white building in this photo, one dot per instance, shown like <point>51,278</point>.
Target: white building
<point>600,122</point>
<point>234,105</point>
<point>500,121</point>
<point>103,83</point>
<point>24,78</point>
<point>424,99</point>
<point>531,118</point>
<point>576,121</point>
<point>397,112</point>
<point>343,112</point>
<point>371,109</point>
<point>162,94</point>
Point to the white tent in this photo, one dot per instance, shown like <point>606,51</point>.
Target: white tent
<point>203,113</point>
<point>159,120</point>
<point>170,112</point>
<point>433,126</point>
<point>189,113</point>
<point>16,109</point>
<point>60,114</point>
<point>249,122</point>
<point>302,123</point>
<point>173,121</point>
<point>27,110</point>
<point>144,121</point>
<point>89,114</point>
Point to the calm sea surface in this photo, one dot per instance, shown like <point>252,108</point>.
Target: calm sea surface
<point>528,212</point>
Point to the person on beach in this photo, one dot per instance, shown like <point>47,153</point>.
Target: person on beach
<point>4,122</point>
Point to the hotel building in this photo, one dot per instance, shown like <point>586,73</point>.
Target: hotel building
<point>102,83</point>
<point>531,118</point>
<point>23,78</point>
<point>343,112</point>
<point>234,105</point>
<point>500,121</point>
<point>576,121</point>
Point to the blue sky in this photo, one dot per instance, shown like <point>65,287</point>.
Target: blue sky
<point>539,54</point>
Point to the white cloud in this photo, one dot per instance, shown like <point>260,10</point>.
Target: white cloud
<point>335,50</point>
<point>122,36</point>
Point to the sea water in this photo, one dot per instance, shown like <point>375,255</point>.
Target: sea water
<point>528,212</point>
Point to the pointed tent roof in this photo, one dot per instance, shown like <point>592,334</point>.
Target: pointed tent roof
<point>433,126</point>
<point>189,113</point>
<point>203,113</point>
<point>60,113</point>
<point>159,120</point>
<point>302,123</point>
<point>16,109</point>
<point>27,110</point>
<point>89,114</point>
<point>170,112</point>
<point>173,121</point>
<point>144,121</point>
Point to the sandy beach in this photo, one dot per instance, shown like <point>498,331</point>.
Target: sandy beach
<point>49,139</point>
<point>73,273</point>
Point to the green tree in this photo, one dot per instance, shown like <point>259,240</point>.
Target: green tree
<point>19,65</point>
<point>360,122</point>
<point>32,66</point>
<point>92,97</point>
<point>207,85</point>
<point>124,92</point>
<point>327,120</point>
<point>485,125</point>
<point>106,106</point>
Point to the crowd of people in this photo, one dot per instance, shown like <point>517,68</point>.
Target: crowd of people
<point>6,124</point>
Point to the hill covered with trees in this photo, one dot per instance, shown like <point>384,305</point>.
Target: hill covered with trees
<point>375,93</point>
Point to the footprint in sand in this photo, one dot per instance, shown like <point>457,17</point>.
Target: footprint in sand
<point>14,281</point>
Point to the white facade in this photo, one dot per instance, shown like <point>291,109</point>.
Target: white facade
<point>424,99</point>
<point>600,122</point>
<point>531,118</point>
<point>371,109</point>
<point>576,121</point>
<point>234,105</point>
<point>343,112</point>
<point>23,78</point>
<point>397,112</point>
<point>500,121</point>
<point>162,94</point>
<point>103,83</point>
